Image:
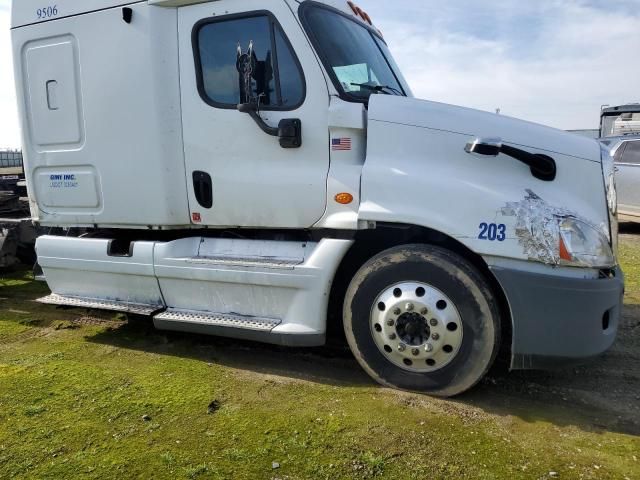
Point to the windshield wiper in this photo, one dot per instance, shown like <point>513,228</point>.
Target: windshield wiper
<point>386,89</point>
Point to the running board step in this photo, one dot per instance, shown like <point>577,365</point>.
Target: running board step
<point>201,321</point>
<point>126,307</point>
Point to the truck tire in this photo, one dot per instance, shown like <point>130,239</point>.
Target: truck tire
<point>422,318</point>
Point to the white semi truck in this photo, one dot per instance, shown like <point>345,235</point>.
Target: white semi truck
<point>246,168</point>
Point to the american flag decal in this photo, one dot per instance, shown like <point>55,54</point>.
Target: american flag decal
<point>338,144</point>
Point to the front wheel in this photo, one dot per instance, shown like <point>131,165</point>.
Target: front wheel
<point>422,318</point>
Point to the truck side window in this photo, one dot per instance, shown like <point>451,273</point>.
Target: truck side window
<point>618,156</point>
<point>277,79</point>
<point>631,153</point>
<point>291,83</point>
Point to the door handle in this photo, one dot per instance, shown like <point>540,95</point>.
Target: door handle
<point>543,167</point>
<point>203,188</point>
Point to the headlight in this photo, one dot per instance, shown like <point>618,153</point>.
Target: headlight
<point>583,245</point>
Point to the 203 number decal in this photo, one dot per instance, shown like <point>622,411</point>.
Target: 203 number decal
<point>493,232</point>
<point>47,12</point>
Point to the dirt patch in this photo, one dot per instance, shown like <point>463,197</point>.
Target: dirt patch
<point>99,320</point>
<point>22,336</point>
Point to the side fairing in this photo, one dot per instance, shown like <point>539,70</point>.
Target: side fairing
<point>417,172</point>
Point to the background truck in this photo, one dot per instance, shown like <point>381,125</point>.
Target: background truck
<point>620,121</point>
<point>250,168</point>
<point>11,170</point>
<point>17,233</point>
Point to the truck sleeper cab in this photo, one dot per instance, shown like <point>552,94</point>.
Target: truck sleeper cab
<point>251,168</point>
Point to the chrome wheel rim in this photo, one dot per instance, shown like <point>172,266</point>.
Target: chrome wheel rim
<point>416,327</point>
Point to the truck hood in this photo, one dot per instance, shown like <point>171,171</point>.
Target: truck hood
<point>417,172</point>
<point>476,123</point>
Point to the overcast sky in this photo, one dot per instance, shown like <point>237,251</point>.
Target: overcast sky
<point>550,61</point>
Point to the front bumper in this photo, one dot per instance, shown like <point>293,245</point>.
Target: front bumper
<point>560,320</point>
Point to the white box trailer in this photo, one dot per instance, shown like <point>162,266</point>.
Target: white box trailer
<point>246,167</point>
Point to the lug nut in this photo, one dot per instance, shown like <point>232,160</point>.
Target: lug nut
<point>393,336</point>
<point>402,347</point>
<point>415,352</point>
<point>409,307</point>
<point>391,322</point>
<point>397,311</point>
<point>428,348</point>
<point>433,322</point>
<point>423,311</point>
<point>435,336</point>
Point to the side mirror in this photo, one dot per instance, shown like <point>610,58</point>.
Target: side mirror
<point>290,133</point>
<point>289,130</point>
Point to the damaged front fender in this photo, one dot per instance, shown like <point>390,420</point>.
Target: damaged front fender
<point>558,236</point>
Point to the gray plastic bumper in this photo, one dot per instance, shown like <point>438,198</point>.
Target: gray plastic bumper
<point>560,320</point>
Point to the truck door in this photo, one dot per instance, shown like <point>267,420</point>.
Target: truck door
<point>237,175</point>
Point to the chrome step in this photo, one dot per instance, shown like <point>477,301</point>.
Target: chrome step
<point>136,308</point>
<point>206,319</point>
<point>232,261</point>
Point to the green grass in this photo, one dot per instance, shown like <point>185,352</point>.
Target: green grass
<point>630,255</point>
<point>121,400</point>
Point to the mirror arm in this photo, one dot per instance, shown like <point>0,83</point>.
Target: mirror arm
<point>543,167</point>
<point>251,110</point>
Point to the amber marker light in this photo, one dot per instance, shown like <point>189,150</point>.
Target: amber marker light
<point>344,198</point>
<point>564,251</point>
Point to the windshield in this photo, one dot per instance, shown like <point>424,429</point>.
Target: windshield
<point>358,61</point>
